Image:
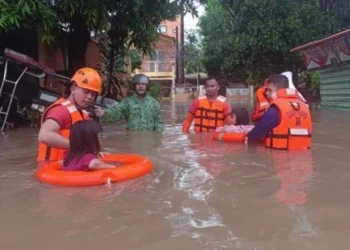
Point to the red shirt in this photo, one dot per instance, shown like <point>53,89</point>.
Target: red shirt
<point>195,105</point>
<point>61,115</point>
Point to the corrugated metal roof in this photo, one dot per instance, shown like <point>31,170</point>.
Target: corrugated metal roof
<point>341,32</point>
<point>335,87</point>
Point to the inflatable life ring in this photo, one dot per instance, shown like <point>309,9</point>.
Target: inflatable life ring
<point>229,137</point>
<point>133,166</point>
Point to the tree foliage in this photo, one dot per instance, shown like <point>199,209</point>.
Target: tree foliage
<point>193,53</point>
<point>135,58</point>
<point>68,23</point>
<point>252,38</point>
<point>112,68</point>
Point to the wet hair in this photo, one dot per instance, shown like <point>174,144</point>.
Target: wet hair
<point>83,139</point>
<point>242,116</point>
<point>212,78</point>
<point>279,81</point>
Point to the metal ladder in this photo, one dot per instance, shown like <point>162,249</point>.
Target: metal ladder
<point>15,83</point>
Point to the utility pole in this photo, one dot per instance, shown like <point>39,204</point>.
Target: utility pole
<point>182,54</point>
<point>198,76</point>
<point>177,54</point>
<point>173,89</point>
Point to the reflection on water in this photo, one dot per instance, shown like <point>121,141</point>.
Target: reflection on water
<point>203,194</point>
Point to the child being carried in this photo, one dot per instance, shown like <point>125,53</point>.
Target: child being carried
<point>235,129</point>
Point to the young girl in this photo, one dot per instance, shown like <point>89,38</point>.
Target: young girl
<point>84,147</point>
<point>240,116</point>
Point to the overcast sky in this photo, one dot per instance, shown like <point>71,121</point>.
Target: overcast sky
<point>191,22</point>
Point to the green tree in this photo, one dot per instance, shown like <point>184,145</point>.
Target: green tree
<point>136,60</point>
<point>193,54</point>
<point>252,38</point>
<point>69,23</point>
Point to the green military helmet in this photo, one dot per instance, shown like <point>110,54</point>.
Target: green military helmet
<point>140,78</point>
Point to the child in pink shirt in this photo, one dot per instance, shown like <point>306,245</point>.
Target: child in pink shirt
<point>241,118</point>
<point>84,148</point>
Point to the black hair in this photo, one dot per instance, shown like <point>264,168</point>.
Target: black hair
<point>83,139</point>
<point>242,116</point>
<point>279,81</point>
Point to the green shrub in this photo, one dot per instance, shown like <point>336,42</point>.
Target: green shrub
<point>155,90</point>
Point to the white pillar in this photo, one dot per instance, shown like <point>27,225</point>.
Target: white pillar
<point>251,92</point>
<point>173,83</point>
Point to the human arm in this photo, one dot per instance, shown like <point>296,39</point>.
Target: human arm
<point>56,119</point>
<point>116,113</point>
<point>269,120</point>
<point>187,123</point>
<point>227,114</point>
<point>190,116</point>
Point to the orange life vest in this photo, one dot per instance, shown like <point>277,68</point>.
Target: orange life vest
<point>47,153</point>
<point>209,117</point>
<point>261,105</point>
<point>295,127</point>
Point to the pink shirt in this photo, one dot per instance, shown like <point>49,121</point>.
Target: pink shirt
<point>82,164</point>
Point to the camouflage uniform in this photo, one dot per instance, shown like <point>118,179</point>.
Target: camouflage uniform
<point>140,114</point>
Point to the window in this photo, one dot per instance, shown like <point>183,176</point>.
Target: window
<point>157,61</point>
<point>162,29</point>
<point>161,55</point>
<point>150,67</point>
<point>158,55</point>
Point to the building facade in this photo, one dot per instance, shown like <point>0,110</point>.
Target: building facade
<point>158,66</point>
<point>331,57</point>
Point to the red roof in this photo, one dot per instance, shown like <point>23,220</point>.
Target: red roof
<point>322,40</point>
<point>161,35</point>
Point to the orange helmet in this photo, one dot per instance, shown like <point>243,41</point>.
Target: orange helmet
<point>88,78</point>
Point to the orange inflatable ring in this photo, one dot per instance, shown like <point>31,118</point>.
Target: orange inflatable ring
<point>133,166</point>
<point>229,137</point>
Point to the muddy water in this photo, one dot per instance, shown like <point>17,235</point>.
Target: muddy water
<point>202,194</point>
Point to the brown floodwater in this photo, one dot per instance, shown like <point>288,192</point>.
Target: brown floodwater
<point>202,194</point>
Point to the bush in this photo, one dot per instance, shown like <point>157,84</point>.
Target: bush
<point>155,90</point>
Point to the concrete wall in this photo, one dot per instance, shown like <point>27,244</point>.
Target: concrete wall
<point>231,93</point>
<point>171,25</point>
<point>234,93</point>
<point>166,44</point>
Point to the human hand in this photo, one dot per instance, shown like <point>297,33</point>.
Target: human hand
<point>101,154</point>
<point>99,112</point>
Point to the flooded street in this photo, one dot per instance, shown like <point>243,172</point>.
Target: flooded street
<point>202,194</point>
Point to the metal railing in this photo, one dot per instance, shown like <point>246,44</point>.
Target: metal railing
<point>157,66</point>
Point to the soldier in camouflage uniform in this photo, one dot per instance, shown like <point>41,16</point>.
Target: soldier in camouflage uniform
<point>141,111</point>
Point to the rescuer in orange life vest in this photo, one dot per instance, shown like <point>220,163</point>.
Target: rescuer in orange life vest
<point>57,119</point>
<point>209,111</point>
<point>286,124</point>
<point>261,103</point>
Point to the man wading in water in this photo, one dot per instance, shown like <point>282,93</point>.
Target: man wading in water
<point>209,111</point>
<point>141,111</point>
